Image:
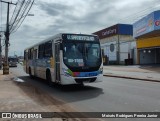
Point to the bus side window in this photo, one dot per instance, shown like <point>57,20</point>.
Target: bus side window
<point>35,54</point>
<point>48,49</point>
<point>41,51</point>
<point>32,52</point>
<point>25,55</point>
<point>29,54</point>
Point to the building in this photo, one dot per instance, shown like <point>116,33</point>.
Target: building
<point>118,45</point>
<point>147,34</point>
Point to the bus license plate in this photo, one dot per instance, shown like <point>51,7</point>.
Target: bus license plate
<point>92,74</point>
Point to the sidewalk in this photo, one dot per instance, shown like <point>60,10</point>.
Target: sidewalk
<point>21,97</point>
<point>144,72</point>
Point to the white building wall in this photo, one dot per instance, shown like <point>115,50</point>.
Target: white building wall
<point>134,51</point>
<point>124,48</point>
<point>127,45</point>
<point>105,44</point>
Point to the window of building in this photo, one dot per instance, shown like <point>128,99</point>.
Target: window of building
<point>111,47</point>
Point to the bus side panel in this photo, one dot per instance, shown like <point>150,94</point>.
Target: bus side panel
<point>32,70</point>
<point>52,63</point>
<point>61,67</point>
<point>52,68</point>
<point>30,66</point>
<point>65,80</point>
<point>41,72</point>
<point>24,66</point>
<point>41,66</point>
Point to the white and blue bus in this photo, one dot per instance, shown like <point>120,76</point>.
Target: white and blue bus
<point>66,59</point>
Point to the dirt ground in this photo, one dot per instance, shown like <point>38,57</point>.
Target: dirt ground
<point>20,96</point>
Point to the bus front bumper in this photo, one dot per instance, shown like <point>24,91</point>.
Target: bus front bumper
<point>66,80</point>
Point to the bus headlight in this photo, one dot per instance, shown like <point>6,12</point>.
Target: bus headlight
<point>101,70</point>
<point>66,73</point>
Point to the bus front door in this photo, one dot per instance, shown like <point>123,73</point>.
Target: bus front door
<point>57,61</point>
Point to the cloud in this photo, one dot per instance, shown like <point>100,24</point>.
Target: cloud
<point>53,9</point>
<point>77,16</point>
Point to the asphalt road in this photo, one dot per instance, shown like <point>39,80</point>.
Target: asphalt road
<point>111,95</point>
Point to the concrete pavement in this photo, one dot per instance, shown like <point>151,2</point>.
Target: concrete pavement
<point>21,97</point>
<point>16,95</point>
<point>139,72</point>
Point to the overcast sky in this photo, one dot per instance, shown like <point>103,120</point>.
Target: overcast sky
<point>73,16</point>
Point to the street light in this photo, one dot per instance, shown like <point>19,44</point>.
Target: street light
<point>144,51</point>
<point>149,51</point>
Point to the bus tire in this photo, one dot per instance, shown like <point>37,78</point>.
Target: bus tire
<point>48,77</point>
<point>30,73</point>
<point>81,84</point>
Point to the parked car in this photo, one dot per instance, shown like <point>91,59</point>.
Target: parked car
<point>12,61</point>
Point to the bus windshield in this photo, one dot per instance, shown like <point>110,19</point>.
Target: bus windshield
<point>82,54</point>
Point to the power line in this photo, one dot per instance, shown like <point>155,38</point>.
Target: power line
<point>13,13</point>
<point>23,18</point>
<point>1,17</point>
<point>136,16</point>
<point>21,15</point>
<point>17,14</point>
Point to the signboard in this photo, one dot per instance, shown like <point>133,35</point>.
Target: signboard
<point>79,37</point>
<point>118,29</point>
<point>147,24</point>
<point>113,30</point>
<point>157,20</point>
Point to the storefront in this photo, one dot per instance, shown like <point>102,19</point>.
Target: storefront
<point>147,34</point>
<point>117,44</point>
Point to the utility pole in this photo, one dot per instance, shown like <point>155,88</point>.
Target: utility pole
<point>7,34</point>
<point>118,50</point>
<point>0,53</point>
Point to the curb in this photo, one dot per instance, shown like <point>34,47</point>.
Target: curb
<point>142,79</point>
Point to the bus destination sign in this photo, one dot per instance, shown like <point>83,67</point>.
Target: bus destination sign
<point>79,37</point>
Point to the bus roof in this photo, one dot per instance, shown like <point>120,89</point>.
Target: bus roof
<point>55,37</point>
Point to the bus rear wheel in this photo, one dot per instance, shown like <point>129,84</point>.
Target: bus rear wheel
<point>30,73</point>
<point>49,79</point>
<point>81,84</point>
